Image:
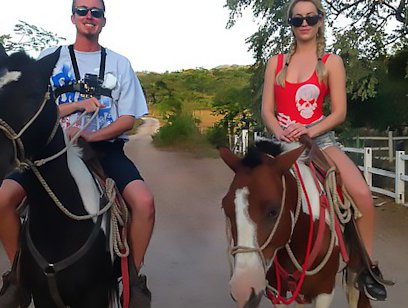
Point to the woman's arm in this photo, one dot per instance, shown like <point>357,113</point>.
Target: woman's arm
<point>268,101</point>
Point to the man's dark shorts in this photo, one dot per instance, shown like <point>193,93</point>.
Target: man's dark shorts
<point>113,160</point>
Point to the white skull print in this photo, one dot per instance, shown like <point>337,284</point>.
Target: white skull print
<point>306,100</point>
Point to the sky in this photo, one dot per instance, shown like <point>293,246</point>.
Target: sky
<point>156,35</point>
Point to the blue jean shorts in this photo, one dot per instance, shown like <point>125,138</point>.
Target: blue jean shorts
<point>326,140</point>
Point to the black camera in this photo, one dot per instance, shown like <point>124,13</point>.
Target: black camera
<point>91,85</point>
<point>92,81</point>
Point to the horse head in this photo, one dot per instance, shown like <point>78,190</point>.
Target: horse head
<point>259,208</point>
<point>23,88</point>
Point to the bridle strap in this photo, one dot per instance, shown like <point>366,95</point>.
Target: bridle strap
<point>15,138</point>
<point>233,250</point>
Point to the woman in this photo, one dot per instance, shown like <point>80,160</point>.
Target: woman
<point>294,89</point>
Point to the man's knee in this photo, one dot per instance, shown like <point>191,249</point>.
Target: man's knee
<point>140,200</point>
<point>11,195</point>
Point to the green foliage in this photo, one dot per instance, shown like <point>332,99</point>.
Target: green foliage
<point>225,90</point>
<point>29,37</point>
<point>180,128</point>
<point>217,135</point>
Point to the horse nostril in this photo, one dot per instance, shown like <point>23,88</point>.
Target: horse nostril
<point>233,297</point>
<point>254,300</point>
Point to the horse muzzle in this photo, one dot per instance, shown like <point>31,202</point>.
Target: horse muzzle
<point>253,301</point>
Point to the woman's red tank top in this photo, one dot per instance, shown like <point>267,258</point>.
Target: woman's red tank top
<point>300,102</point>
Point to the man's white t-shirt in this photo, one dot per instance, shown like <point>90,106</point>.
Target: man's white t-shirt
<point>127,94</point>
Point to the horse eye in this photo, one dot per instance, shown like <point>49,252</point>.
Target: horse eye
<point>272,213</point>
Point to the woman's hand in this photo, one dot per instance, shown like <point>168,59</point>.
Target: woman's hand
<point>280,134</point>
<point>295,130</point>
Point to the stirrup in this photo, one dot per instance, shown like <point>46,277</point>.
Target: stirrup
<point>11,294</point>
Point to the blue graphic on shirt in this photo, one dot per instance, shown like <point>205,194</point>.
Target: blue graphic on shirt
<point>61,79</point>
<point>104,117</point>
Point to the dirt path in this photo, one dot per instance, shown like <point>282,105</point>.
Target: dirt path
<point>186,263</point>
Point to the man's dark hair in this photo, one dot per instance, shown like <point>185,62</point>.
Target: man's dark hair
<point>73,5</point>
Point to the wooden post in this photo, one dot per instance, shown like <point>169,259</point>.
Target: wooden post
<point>399,182</point>
<point>245,141</point>
<point>368,164</point>
<point>390,146</point>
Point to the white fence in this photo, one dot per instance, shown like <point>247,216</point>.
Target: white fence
<point>399,175</point>
<point>389,145</point>
<point>241,142</point>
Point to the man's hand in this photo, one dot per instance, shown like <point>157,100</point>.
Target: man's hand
<point>72,131</point>
<point>89,104</point>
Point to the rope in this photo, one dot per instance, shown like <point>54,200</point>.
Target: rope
<point>120,215</point>
<point>326,258</point>
<point>41,162</point>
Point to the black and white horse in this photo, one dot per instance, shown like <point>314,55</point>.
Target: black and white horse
<point>64,262</point>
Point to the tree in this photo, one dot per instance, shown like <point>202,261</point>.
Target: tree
<point>29,37</point>
<point>365,31</point>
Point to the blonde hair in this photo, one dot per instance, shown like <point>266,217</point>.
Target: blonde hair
<point>321,45</point>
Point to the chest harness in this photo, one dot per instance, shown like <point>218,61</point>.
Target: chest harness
<point>89,87</point>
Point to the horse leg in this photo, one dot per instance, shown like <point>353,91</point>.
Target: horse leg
<point>352,293</point>
<point>324,300</point>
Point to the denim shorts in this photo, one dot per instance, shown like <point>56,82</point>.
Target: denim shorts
<point>326,140</point>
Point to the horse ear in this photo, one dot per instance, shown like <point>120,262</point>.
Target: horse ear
<point>285,160</point>
<point>229,158</point>
<point>46,64</point>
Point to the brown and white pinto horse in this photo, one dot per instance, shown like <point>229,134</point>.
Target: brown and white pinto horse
<point>270,229</point>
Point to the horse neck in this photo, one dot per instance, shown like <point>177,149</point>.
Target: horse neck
<point>44,213</point>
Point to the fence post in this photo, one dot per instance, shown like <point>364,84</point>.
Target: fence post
<point>390,146</point>
<point>368,164</point>
<point>399,183</point>
<point>245,141</point>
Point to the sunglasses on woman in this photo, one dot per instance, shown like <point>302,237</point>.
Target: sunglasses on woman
<point>83,11</point>
<point>311,20</point>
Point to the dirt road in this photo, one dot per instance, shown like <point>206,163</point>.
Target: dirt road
<point>186,263</point>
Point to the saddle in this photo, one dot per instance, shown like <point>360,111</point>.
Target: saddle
<point>323,164</point>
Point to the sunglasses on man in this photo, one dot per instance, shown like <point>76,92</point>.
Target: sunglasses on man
<point>83,11</point>
<point>311,20</point>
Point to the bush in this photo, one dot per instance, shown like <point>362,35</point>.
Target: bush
<point>217,136</point>
<point>180,128</point>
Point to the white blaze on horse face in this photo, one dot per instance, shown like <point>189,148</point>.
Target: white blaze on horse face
<point>248,272</point>
<point>9,77</point>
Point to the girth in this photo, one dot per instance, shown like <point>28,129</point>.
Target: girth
<point>50,270</point>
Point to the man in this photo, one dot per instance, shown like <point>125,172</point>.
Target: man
<point>86,77</point>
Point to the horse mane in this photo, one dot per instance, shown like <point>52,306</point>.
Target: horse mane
<point>255,152</point>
